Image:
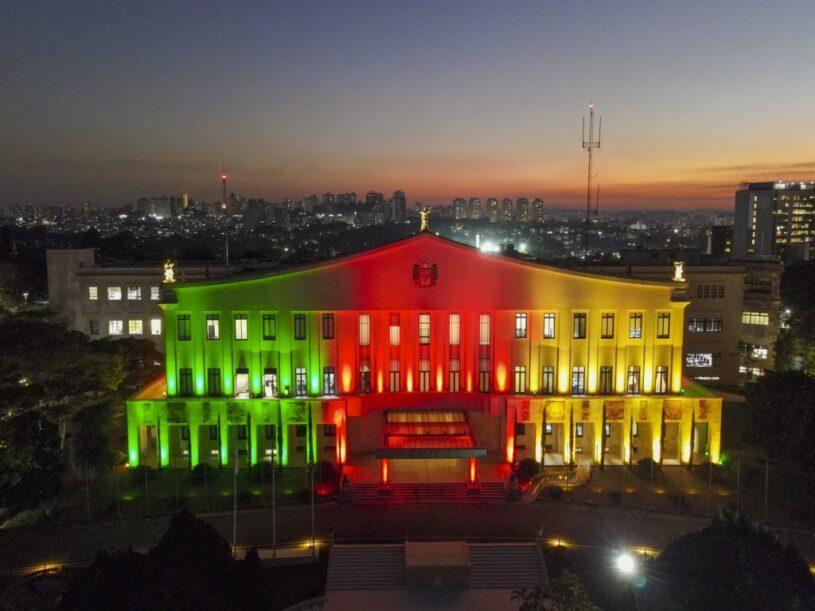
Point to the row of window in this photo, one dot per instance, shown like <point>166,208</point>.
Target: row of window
<point>269,327</point>
<point>271,390</point>
<point>134,327</point>
<point>705,325</point>
<point>708,291</point>
<point>755,318</point>
<point>269,432</point>
<point>521,428</point>
<point>115,293</point>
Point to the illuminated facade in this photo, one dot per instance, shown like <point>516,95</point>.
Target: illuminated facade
<point>423,349</point>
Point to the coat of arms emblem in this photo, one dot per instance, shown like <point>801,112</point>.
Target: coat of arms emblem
<point>425,274</point>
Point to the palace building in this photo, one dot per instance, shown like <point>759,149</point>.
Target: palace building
<point>423,349</point>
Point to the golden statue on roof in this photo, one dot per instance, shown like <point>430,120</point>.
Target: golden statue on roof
<point>424,213</point>
<point>169,272</point>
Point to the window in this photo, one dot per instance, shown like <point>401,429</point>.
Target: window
<point>114,293</point>
<point>663,325</point>
<point>242,432</point>
<point>94,330</point>
<point>424,329</point>
<point>300,326</point>
<point>578,380</point>
<point>115,327</point>
<point>757,285</point>
<point>606,380</point>
<point>484,330</point>
<point>759,352</point>
<point>269,326</point>
<point>455,367</point>
<point>213,433</point>
<point>183,327</point>
<point>661,381</point>
<point>635,429</point>
<point>520,325</point>
<point>702,359</point>
<point>705,325</point>
<point>520,379</point>
<point>548,380</point>
<point>607,326</point>
<point>185,433</point>
<point>548,428</point>
<point>635,325</point>
<point>578,429</point>
<point>135,327</point>
<point>134,293</point>
<point>213,327</point>
<point>364,379</point>
<point>755,318</point>
<point>241,327</point>
<point>579,326</point>
<point>214,382</point>
<point>329,430</point>
<point>270,383</point>
<point>269,433</point>
<point>548,326</point>
<point>393,329</point>
<point>300,430</point>
<point>242,383</point>
<point>424,369</point>
<point>185,382</point>
<point>607,431</point>
<point>633,385</point>
<point>328,326</point>
<point>93,293</point>
<point>710,291</point>
<point>300,388</point>
<point>329,387</point>
<point>155,293</point>
<point>155,326</point>
<point>455,329</point>
<point>394,375</point>
<point>520,429</point>
<point>364,330</point>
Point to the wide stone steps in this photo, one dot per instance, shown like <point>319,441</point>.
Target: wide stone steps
<point>505,565</point>
<point>427,493</point>
<point>366,567</point>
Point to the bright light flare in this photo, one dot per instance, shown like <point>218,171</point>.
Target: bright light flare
<point>625,564</point>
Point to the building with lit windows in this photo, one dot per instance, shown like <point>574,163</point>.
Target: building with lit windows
<point>775,218</point>
<point>424,349</point>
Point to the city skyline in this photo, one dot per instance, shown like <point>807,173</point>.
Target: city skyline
<point>111,102</point>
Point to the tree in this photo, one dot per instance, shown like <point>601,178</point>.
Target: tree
<point>570,593</point>
<point>731,564</point>
<point>30,461</point>
<point>795,347</point>
<point>780,417</point>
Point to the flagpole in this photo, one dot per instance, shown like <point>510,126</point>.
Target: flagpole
<point>235,469</point>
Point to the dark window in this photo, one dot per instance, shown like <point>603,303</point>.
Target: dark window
<point>329,430</point>
<point>213,433</point>
<point>94,327</point>
<point>185,382</point>
<point>241,431</point>
<point>214,382</point>
<point>578,380</point>
<point>579,326</point>
<point>270,326</point>
<point>484,368</point>
<point>607,326</point>
<point>300,430</point>
<point>548,380</point>
<point>663,325</point>
<point>606,380</point>
<point>520,429</point>
<point>299,326</point>
<point>184,327</point>
<point>520,325</point>
<point>328,326</point>
<point>185,433</point>
<point>329,388</point>
<point>300,387</point>
<point>269,431</point>
<point>364,379</point>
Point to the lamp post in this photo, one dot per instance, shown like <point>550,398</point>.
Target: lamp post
<point>312,510</point>
<point>235,469</point>
<point>274,504</point>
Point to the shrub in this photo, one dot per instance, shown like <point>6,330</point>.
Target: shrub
<point>526,469</point>
<point>643,467</point>
<point>138,474</point>
<point>204,472</point>
<point>555,493</point>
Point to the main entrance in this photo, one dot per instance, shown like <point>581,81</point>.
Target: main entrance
<point>429,446</point>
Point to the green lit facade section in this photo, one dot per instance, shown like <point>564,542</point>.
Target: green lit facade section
<point>201,414</point>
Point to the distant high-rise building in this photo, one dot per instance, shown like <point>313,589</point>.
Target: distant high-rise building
<point>377,203</point>
<point>719,240</point>
<point>329,199</point>
<point>775,218</point>
<point>459,208</point>
<point>475,207</point>
<point>397,207</point>
<point>522,210</point>
<point>347,198</point>
<point>537,215</point>
<point>506,210</point>
<point>185,201</point>
<point>492,209</point>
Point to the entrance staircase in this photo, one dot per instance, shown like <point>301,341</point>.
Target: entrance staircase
<point>427,493</point>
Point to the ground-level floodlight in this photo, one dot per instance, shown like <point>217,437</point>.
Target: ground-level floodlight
<point>626,564</point>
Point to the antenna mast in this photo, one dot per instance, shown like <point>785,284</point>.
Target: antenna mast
<point>590,145</point>
<point>225,210</point>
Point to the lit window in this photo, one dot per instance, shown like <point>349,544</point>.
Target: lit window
<point>484,330</point>
<point>663,325</point>
<point>155,326</point>
<point>270,383</point>
<point>329,387</point>
<point>364,330</point>
<point>759,352</point>
<point>520,325</point>
<point>455,329</point>
<point>578,380</point>
<point>755,318</point>
<point>702,359</point>
<point>114,293</point>
<point>300,388</point>
<point>633,386</point>
<point>548,380</point>
<point>134,293</point>
<point>242,384</point>
<point>213,327</point>
<point>393,330</point>
<point>607,326</point>
<point>135,327</point>
<point>93,293</point>
<point>661,382</point>
<point>635,326</point>
<point>549,326</point>
<point>424,329</point>
<point>578,429</point>
<point>520,379</point>
<point>115,327</point>
<point>155,294</point>
<point>241,327</point>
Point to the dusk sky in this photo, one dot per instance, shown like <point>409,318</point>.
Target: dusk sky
<point>109,101</point>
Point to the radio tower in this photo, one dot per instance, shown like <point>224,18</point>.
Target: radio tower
<point>223,187</point>
<point>590,145</point>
